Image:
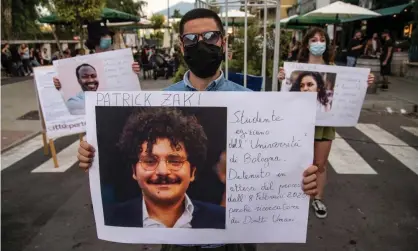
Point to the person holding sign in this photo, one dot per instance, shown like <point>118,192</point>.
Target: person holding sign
<point>316,49</point>
<point>100,40</point>
<point>203,44</point>
<point>172,147</point>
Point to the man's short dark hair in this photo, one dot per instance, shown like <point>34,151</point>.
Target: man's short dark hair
<point>78,68</point>
<point>152,123</point>
<point>200,13</point>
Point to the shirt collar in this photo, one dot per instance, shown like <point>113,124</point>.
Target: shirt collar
<point>214,85</point>
<point>189,208</point>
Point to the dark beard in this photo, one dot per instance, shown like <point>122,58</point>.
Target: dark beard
<point>164,180</point>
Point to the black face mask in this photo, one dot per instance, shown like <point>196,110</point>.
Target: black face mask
<point>203,59</point>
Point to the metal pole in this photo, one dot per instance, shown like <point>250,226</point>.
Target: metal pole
<point>263,68</point>
<point>226,43</point>
<point>168,20</point>
<point>245,43</point>
<point>275,86</point>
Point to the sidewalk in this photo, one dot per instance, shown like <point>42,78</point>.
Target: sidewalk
<point>402,97</point>
<point>18,98</point>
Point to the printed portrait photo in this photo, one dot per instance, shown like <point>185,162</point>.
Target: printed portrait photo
<point>77,78</point>
<point>162,167</point>
<point>321,82</point>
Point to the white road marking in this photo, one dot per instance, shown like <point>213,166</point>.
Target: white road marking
<point>345,160</point>
<point>403,111</point>
<point>66,159</point>
<point>19,152</point>
<point>412,130</point>
<point>389,110</point>
<point>391,144</point>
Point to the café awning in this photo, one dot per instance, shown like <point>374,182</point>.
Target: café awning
<point>107,14</point>
<point>394,10</point>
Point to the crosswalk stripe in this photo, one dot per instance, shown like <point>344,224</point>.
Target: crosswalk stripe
<point>66,159</point>
<point>412,130</point>
<point>345,160</point>
<point>391,144</point>
<point>19,152</point>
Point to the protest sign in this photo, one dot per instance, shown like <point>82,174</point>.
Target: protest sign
<point>200,167</point>
<point>58,121</point>
<point>341,90</point>
<point>64,109</point>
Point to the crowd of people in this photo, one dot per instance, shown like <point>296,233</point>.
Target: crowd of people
<point>19,60</point>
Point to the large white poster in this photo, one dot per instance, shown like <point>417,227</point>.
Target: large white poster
<point>64,109</point>
<point>341,90</point>
<point>200,167</point>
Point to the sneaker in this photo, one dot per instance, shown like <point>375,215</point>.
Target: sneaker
<point>384,87</point>
<point>320,208</point>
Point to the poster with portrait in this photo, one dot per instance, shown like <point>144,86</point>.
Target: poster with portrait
<point>340,90</point>
<point>64,108</point>
<point>200,167</point>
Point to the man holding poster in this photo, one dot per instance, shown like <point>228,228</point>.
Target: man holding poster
<point>203,45</point>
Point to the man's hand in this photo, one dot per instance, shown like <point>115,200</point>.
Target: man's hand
<point>85,155</point>
<point>309,185</point>
<point>136,68</point>
<point>385,63</point>
<point>57,83</point>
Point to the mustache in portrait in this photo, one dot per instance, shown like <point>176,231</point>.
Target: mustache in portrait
<point>163,180</point>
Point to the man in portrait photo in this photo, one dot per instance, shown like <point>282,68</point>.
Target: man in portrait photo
<point>164,148</point>
<point>88,80</point>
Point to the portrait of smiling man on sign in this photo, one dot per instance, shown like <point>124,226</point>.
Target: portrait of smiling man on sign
<point>88,80</point>
<point>164,148</point>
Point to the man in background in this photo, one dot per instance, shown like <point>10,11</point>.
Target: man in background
<point>386,59</point>
<point>354,49</point>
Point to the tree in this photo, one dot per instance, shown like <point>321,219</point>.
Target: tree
<point>18,19</point>
<point>177,14</point>
<point>128,6</point>
<point>176,27</point>
<point>157,21</point>
<point>74,11</point>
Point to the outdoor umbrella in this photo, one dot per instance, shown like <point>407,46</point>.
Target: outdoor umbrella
<point>339,11</point>
<point>235,15</point>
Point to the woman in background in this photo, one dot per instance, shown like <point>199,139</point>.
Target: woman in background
<point>316,49</point>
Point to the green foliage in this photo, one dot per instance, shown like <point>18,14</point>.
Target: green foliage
<point>128,6</point>
<point>255,50</point>
<point>18,19</point>
<point>177,14</point>
<point>157,21</point>
<point>73,11</point>
<point>214,8</point>
<point>159,36</point>
<point>178,76</point>
<point>176,27</point>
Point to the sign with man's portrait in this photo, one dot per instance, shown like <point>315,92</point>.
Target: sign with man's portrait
<point>200,168</point>
<point>340,90</point>
<point>63,107</point>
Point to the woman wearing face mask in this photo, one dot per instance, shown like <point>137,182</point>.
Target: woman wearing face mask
<point>100,40</point>
<point>316,49</point>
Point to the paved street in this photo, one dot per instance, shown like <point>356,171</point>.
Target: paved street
<point>372,193</point>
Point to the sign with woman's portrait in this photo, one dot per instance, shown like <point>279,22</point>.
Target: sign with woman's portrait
<point>340,90</point>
